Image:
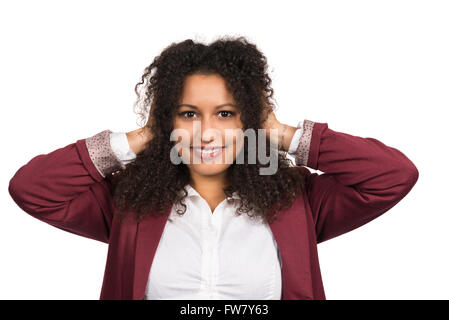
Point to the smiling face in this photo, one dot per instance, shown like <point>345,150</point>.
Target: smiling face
<point>210,120</point>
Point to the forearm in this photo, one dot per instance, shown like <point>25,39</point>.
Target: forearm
<point>66,188</point>
<point>362,178</point>
<point>380,174</point>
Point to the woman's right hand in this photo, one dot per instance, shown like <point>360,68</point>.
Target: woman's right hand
<point>138,138</point>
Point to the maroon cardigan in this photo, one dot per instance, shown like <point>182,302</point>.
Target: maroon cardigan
<point>362,179</point>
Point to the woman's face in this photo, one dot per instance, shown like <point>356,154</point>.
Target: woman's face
<point>208,119</point>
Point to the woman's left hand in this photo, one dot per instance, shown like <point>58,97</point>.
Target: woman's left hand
<point>282,130</point>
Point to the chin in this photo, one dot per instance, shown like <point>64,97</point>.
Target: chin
<point>208,169</point>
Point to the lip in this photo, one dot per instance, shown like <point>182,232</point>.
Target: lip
<point>210,156</point>
<point>207,147</point>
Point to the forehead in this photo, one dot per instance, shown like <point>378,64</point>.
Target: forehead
<point>204,90</point>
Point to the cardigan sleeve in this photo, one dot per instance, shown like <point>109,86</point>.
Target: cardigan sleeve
<point>66,187</point>
<point>362,178</point>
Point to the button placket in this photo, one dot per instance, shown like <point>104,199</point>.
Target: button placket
<point>210,230</point>
<point>215,227</point>
<point>217,220</point>
<point>205,250</point>
<point>209,257</point>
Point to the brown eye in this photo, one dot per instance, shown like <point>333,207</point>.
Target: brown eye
<point>228,113</point>
<point>183,114</point>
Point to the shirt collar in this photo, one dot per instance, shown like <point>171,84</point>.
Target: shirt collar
<point>191,192</point>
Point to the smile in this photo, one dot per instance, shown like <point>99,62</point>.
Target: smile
<point>208,153</point>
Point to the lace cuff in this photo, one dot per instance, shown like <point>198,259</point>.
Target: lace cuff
<point>302,153</point>
<point>101,154</point>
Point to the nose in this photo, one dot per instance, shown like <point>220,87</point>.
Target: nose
<point>205,130</point>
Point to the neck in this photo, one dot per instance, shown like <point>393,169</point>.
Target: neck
<point>209,187</point>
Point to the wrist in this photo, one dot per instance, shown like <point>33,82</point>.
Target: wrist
<point>286,134</point>
<point>137,139</point>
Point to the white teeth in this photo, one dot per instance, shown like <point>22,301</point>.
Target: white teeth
<point>209,152</point>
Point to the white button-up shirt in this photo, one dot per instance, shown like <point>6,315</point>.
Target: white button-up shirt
<point>212,255</point>
<point>205,255</point>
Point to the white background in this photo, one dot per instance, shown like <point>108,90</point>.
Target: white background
<point>368,68</point>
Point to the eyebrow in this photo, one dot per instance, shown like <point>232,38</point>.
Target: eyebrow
<point>216,107</point>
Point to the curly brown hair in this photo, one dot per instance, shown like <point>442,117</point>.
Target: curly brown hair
<point>151,183</point>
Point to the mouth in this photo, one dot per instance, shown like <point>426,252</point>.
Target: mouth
<point>208,153</point>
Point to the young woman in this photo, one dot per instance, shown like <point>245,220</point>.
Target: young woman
<point>217,228</point>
